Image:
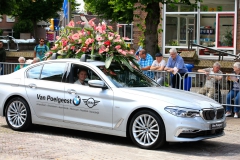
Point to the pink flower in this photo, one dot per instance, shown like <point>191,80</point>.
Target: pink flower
<point>72,47</point>
<point>71,24</point>
<point>64,42</point>
<point>118,47</point>
<point>89,41</point>
<point>57,37</point>
<point>99,28</point>
<point>91,22</point>
<point>78,22</point>
<point>126,38</point>
<point>84,49</point>
<point>111,34</point>
<point>110,27</point>
<point>102,49</point>
<point>99,38</point>
<point>124,52</point>
<point>75,36</point>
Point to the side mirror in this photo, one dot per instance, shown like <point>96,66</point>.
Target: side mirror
<point>97,84</point>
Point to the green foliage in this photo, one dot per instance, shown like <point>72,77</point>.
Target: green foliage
<point>22,26</point>
<point>5,6</point>
<point>228,37</point>
<point>173,43</point>
<point>40,10</point>
<point>1,32</point>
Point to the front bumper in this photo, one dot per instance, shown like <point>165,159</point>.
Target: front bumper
<point>192,129</point>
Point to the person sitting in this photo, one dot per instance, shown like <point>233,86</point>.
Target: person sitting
<point>145,63</point>
<point>234,91</point>
<point>212,85</point>
<point>176,66</point>
<point>82,75</point>
<point>22,64</point>
<point>158,65</point>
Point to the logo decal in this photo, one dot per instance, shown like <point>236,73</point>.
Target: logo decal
<point>76,100</point>
<point>90,102</point>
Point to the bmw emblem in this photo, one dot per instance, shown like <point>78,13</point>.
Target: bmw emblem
<point>76,100</point>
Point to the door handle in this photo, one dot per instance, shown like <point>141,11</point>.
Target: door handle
<point>32,86</point>
<point>71,91</point>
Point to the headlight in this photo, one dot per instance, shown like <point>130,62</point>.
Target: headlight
<point>182,112</point>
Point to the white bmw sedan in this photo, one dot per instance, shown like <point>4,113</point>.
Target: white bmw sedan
<point>115,101</point>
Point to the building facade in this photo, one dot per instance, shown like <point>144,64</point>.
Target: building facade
<point>214,24</point>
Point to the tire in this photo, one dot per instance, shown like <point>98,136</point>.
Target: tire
<point>18,115</point>
<point>147,130</point>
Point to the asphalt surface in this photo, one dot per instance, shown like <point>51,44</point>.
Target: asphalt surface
<point>51,143</point>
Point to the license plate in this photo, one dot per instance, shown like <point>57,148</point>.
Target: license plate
<point>216,125</point>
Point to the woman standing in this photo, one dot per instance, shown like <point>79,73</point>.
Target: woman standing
<point>22,64</point>
<point>234,92</point>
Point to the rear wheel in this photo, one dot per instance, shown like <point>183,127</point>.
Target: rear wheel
<point>18,115</point>
<point>147,130</point>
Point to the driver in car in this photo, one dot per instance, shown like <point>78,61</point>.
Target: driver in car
<point>82,75</point>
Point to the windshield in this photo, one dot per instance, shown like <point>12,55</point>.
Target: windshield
<point>123,77</point>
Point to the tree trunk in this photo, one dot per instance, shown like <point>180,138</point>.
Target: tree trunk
<point>151,33</point>
<point>35,29</point>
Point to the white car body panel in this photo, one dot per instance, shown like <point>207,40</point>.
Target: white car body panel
<point>114,105</point>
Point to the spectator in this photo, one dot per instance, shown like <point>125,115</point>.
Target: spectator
<point>40,49</point>
<point>35,60</point>
<point>145,63</point>
<point>176,66</point>
<point>82,75</point>
<point>234,91</point>
<point>212,85</point>
<point>22,64</point>
<point>158,65</point>
<point>2,57</point>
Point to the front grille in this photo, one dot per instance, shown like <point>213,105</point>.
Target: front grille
<point>211,114</point>
<point>220,113</point>
<point>202,133</point>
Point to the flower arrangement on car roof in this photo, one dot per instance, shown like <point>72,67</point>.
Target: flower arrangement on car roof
<point>96,40</point>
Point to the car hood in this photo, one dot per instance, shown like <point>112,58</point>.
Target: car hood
<point>173,96</point>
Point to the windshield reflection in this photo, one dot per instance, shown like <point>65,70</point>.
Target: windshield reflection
<point>123,77</point>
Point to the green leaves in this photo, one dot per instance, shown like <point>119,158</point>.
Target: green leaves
<point>108,61</point>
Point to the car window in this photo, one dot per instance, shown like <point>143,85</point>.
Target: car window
<point>73,76</point>
<point>34,73</point>
<point>53,72</point>
<point>123,77</point>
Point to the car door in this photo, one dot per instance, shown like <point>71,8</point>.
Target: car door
<point>89,106</point>
<point>45,90</point>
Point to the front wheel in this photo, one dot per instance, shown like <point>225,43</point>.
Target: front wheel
<point>18,115</point>
<point>147,130</point>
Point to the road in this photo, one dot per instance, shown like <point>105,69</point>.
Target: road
<point>51,143</point>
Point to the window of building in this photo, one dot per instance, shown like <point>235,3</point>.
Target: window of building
<point>212,25</point>
<point>225,30</point>
<point>177,29</point>
<point>126,30</point>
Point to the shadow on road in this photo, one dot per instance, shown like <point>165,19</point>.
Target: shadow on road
<point>206,148</point>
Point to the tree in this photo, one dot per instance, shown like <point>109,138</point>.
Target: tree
<point>5,6</point>
<point>122,11</point>
<point>34,10</point>
<point>37,10</point>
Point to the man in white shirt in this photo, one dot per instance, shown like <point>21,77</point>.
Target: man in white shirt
<point>158,65</point>
<point>82,75</point>
<point>211,87</point>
